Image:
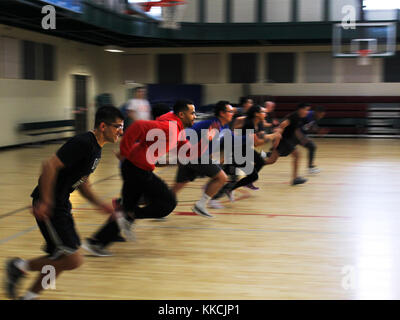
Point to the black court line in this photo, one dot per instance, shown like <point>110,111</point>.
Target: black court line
<point>5,215</point>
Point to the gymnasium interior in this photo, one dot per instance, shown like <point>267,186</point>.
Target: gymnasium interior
<point>333,237</point>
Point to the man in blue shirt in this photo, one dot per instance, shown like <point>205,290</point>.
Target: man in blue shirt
<point>205,166</point>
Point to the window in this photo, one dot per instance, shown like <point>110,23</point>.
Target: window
<point>243,67</point>
<point>381,4</point>
<point>281,67</point>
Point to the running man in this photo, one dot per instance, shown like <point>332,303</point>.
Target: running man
<point>290,128</point>
<point>139,180</point>
<point>309,125</point>
<point>64,172</point>
<point>223,112</point>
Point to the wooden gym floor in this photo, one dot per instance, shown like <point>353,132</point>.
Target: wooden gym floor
<point>335,237</point>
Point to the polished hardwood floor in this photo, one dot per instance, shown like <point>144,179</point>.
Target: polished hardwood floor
<point>335,237</point>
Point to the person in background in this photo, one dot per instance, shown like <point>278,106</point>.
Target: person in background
<point>139,107</point>
<point>310,125</point>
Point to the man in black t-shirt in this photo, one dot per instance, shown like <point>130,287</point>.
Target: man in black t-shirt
<point>62,173</point>
<point>292,135</point>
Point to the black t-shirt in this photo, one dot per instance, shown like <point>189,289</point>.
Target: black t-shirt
<point>295,123</point>
<point>80,156</point>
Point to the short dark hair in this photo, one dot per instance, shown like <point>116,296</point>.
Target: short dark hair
<point>139,88</point>
<point>181,105</point>
<point>320,109</point>
<point>220,107</point>
<point>159,109</point>
<point>243,100</point>
<point>107,113</point>
<point>251,113</point>
<point>270,99</point>
<point>303,105</point>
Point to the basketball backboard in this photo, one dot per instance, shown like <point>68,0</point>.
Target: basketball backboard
<point>378,38</point>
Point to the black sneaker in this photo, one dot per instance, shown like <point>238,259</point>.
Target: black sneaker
<point>298,180</point>
<point>202,212</point>
<point>13,276</point>
<point>95,248</point>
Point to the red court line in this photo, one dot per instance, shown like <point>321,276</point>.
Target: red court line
<point>268,215</point>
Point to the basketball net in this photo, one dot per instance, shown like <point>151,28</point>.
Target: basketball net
<point>364,59</point>
<point>172,16</point>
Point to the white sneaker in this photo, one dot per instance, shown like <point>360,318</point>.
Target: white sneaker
<point>314,170</point>
<point>215,204</point>
<point>95,249</point>
<point>126,227</point>
<point>202,211</point>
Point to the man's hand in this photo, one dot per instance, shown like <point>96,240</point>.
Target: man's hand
<point>118,155</point>
<point>41,210</point>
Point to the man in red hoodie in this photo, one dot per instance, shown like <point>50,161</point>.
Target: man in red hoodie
<point>139,151</point>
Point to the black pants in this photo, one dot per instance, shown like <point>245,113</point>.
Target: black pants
<point>310,145</point>
<point>230,170</point>
<point>137,183</point>
<point>258,164</point>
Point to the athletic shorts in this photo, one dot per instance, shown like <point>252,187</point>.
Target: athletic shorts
<point>286,147</point>
<point>189,172</point>
<point>59,232</point>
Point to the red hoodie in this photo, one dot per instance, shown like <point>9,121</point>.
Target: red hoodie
<point>134,146</point>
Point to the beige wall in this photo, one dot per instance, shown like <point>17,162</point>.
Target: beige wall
<point>35,100</point>
<point>212,70</point>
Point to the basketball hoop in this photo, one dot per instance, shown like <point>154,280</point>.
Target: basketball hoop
<point>363,57</point>
<point>172,14</point>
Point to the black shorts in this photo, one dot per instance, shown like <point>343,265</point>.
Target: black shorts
<point>189,172</point>
<point>59,232</point>
<point>286,147</point>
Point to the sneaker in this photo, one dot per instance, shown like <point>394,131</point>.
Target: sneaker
<point>95,249</point>
<point>201,212</point>
<point>230,195</point>
<point>251,186</point>
<point>215,204</point>
<point>298,180</point>
<point>126,227</point>
<point>161,219</point>
<point>313,170</point>
<point>13,276</point>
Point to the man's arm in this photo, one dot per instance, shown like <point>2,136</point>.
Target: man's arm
<point>301,137</point>
<point>48,177</point>
<point>238,123</point>
<point>86,191</point>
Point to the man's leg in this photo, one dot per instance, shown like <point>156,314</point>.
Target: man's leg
<point>258,164</point>
<point>218,179</point>
<point>132,189</point>
<point>296,160</point>
<point>64,263</point>
<point>310,145</point>
<point>162,200</point>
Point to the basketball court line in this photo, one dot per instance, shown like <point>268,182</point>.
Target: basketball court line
<point>5,215</point>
